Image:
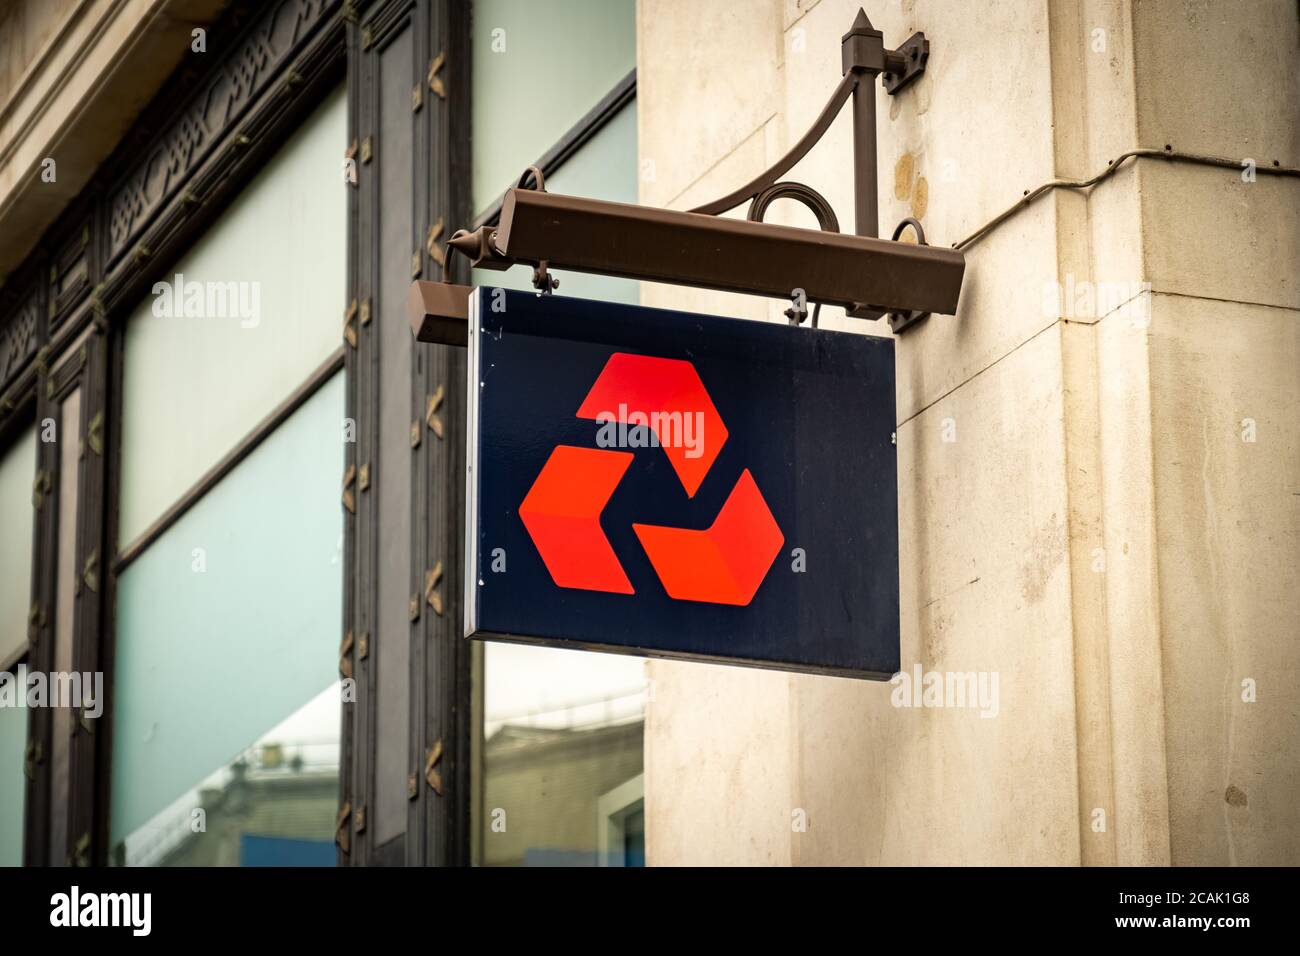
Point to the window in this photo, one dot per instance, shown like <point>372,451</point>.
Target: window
<point>538,68</point>
<point>256,312</point>
<point>227,707</point>
<point>604,168</point>
<point>562,729</point>
<point>17,468</point>
<point>226,703</point>
<point>561,747</point>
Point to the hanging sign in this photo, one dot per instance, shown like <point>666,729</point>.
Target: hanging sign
<point>681,486</point>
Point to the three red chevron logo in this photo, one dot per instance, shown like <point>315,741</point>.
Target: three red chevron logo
<point>722,564</point>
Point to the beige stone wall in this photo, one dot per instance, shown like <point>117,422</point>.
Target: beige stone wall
<point>1224,361</point>
<point>1099,534</point>
<point>26,31</point>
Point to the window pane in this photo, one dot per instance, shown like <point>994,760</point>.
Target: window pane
<point>605,168</point>
<point>562,757</point>
<point>258,307</point>
<point>538,68</point>
<point>13,781</point>
<point>17,470</point>
<point>563,731</point>
<point>227,652</point>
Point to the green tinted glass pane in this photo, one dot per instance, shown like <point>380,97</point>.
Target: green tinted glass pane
<point>13,782</point>
<point>538,67</point>
<point>226,699</point>
<point>605,168</point>
<point>258,307</point>
<point>17,470</point>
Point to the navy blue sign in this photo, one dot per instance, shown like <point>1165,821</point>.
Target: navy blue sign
<point>683,486</point>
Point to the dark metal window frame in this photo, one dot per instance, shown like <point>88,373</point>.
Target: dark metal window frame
<point>435,779</point>
<point>129,225</point>
<point>217,121</point>
<point>84,368</point>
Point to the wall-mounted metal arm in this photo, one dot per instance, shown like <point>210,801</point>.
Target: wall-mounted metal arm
<point>868,276</point>
<point>788,161</point>
<point>860,273</point>
<point>864,57</point>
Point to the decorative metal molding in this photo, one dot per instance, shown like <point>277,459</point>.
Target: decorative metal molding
<point>432,592</point>
<point>345,655</point>
<point>18,339</point>
<point>35,623</point>
<point>433,245</point>
<point>341,830</point>
<point>80,855</point>
<point>431,416</point>
<point>35,757</point>
<point>42,484</point>
<point>214,110</point>
<point>70,268</point>
<point>435,81</point>
<point>350,330</point>
<point>65,377</point>
<point>349,499</point>
<point>95,433</point>
<point>431,772</point>
<point>90,574</point>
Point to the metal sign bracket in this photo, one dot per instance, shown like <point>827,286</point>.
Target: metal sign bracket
<point>870,277</point>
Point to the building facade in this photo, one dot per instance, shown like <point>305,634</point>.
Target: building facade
<point>232,483</point>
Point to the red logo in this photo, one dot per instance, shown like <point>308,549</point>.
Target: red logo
<point>721,564</point>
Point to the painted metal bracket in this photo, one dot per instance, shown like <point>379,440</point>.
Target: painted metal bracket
<point>863,57</point>
<point>904,281</point>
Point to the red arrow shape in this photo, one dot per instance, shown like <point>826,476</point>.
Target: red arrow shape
<point>660,393</point>
<point>724,564</point>
<point>562,514</point>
